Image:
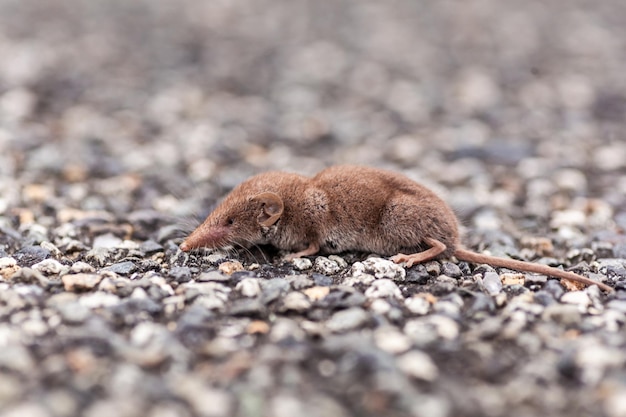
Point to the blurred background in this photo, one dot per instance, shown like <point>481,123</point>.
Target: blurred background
<point>513,107</point>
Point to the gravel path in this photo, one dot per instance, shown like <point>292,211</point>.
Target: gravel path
<point>122,123</point>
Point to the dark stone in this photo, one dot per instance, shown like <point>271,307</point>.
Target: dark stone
<point>481,303</point>
<point>122,268</point>
<point>247,307</point>
<point>299,282</point>
<point>322,280</point>
<point>30,255</point>
<point>515,289</point>
<point>483,268</point>
<point>544,298</point>
<point>273,289</point>
<point>150,247</point>
<point>341,299</point>
<point>610,107</point>
<point>180,273</point>
<point>134,310</point>
<point>451,270</point>
<point>239,275</point>
<point>554,288</point>
<point>195,316</point>
<point>417,274</point>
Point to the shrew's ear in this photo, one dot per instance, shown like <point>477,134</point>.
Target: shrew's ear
<point>271,208</point>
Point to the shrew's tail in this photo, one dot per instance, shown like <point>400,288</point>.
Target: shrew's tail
<point>469,256</point>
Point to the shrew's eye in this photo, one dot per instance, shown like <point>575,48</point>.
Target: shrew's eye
<point>230,220</point>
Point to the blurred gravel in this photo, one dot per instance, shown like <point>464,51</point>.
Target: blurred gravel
<point>122,123</point>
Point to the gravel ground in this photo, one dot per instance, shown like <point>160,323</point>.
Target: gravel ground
<point>122,123</point>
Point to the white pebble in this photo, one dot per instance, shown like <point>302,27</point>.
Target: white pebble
<point>383,288</point>
<point>326,266</point>
<point>249,287</point>
<point>50,267</point>
<point>390,340</point>
<point>418,365</point>
<point>380,268</point>
<point>417,305</point>
<point>302,264</point>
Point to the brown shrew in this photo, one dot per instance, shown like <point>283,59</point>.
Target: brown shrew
<point>346,208</point>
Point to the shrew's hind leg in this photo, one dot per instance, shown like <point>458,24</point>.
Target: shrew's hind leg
<point>415,258</point>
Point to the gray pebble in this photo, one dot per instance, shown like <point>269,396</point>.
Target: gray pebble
<point>215,258</point>
<point>150,247</point>
<point>565,314</point>
<point>322,280</point>
<point>30,255</point>
<point>300,282</point>
<point>295,301</point>
<point>349,319</point>
<point>544,298</point>
<point>612,267</point>
<point>481,303</point>
<point>180,273</point>
<point>73,313</point>
<point>247,307</point>
<point>122,268</point>
<point>451,270</point>
<point>492,283</point>
<point>417,274</point>
<point>99,300</point>
<point>343,297</point>
<point>274,288</point>
<point>617,305</point>
<point>554,288</point>
<point>447,308</point>
<point>107,241</point>
<point>212,276</point>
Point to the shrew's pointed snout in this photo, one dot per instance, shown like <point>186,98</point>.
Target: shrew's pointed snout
<point>213,237</point>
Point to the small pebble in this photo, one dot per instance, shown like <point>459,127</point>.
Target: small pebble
<point>80,282</point>
<point>418,365</point>
<point>122,268</point>
<point>417,305</point>
<point>295,301</point>
<point>346,320</point>
<point>382,288</point>
<point>249,287</point>
<point>380,268</point>
<point>50,267</point>
<point>326,266</point>
<point>230,267</point>
<point>302,264</point>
